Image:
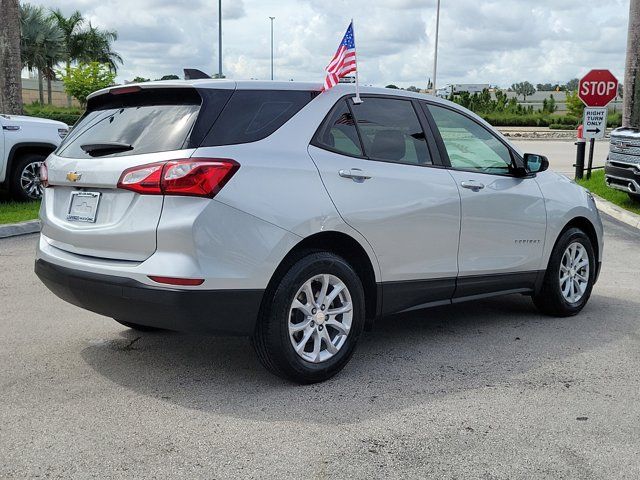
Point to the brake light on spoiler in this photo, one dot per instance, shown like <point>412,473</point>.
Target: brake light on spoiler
<point>194,177</point>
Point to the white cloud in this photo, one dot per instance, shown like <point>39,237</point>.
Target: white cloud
<point>489,41</point>
<point>233,10</point>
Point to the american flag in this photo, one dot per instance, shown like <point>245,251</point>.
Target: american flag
<point>343,62</point>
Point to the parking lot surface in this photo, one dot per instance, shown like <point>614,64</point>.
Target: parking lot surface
<point>562,153</point>
<point>488,390</point>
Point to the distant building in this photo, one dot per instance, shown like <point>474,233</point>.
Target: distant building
<point>462,87</point>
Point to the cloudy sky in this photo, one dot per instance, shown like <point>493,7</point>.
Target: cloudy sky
<point>481,41</point>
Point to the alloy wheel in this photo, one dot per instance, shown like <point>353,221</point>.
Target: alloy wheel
<point>30,180</point>
<point>574,272</point>
<point>320,318</point>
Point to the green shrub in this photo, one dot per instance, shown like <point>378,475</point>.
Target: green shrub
<point>536,119</point>
<point>614,119</point>
<point>516,120</point>
<point>574,104</point>
<point>568,120</point>
<point>62,114</point>
<point>85,79</point>
<point>561,126</point>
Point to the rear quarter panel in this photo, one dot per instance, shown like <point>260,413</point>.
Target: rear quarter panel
<point>278,182</point>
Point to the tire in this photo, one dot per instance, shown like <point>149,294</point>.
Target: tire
<point>138,327</point>
<point>634,197</point>
<point>281,323</point>
<point>550,299</point>
<point>24,185</point>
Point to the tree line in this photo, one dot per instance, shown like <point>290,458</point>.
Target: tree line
<point>49,39</point>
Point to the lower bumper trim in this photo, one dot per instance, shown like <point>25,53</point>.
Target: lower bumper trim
<point>625,179</point>
<point>228,312</point>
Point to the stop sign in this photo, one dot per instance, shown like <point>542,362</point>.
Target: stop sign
<point>597,88</point>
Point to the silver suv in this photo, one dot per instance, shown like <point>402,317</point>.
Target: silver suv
<point>297,218</point>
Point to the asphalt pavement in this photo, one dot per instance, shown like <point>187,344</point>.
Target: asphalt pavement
<point>486,390</point>
<point>562,153</point>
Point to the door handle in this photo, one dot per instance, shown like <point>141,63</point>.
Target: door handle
<point>472,185</point>
<point>355,174</point>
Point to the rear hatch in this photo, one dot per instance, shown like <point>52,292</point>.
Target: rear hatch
<point>84,211</point>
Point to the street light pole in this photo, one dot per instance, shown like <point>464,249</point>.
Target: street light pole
<point>435,53</point>
<point>219,38</point>
<point>272,18</point>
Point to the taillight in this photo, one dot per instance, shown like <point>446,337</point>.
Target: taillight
<point>142,179</point>
<point>197,177</point>
<point>44,175</point>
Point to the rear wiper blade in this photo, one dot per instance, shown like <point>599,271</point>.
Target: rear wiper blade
<point>105,148</point>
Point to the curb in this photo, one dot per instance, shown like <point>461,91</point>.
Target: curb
<point>23,228</point>
<point>619,213</point>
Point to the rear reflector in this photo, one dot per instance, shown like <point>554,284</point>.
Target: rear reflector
<point>177,281</point>
<point>196,177</point>
<point>44,174</point>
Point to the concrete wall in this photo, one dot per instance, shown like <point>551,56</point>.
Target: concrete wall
<point>58,96</point>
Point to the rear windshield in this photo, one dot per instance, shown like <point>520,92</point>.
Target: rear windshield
<point>252,115</point>
<point>143,122</point>
<point>160,120</point>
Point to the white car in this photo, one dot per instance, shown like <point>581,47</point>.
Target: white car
<point>297,217</point>
<point>24,144</point>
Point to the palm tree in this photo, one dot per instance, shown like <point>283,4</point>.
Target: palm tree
<point>10,63</point>
<point>71,27</point>
<point>97,47</point>
<point>41,44</point>
<point>53,51</point>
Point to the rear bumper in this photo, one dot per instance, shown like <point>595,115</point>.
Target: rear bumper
<point>229,312</point>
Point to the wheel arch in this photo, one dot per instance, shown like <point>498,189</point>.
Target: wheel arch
<point>584,224</point>
<point>343,245</point>
<point>20,149</point>
<point>588,228</point>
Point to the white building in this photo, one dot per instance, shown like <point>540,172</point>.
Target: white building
<point>462,87</point>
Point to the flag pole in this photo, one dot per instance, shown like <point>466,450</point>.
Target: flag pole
<point>357,99</point>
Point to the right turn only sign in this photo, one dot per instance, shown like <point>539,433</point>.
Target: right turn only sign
<point>595,122</point>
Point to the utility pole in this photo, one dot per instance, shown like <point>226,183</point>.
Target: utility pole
<point>631,95</point>
<point>435,53</point>
<point>272,18</point>
<point>219,38</point>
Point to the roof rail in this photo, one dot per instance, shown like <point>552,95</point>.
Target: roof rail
<point>194,74</point>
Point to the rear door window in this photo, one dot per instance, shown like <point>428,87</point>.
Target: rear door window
<point>391,131</point>
<point>147,122</point>
<point>252,115</point>
<point>338,133</point>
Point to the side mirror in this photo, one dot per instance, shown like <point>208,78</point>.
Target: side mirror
<point>535,163</point>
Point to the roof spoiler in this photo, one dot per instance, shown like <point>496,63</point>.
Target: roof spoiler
<point>194,74</point>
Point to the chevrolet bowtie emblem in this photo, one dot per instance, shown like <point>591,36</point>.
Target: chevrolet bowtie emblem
<point>73,176</point>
